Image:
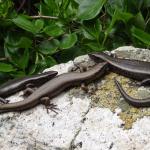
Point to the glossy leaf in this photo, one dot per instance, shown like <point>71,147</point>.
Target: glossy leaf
<point>53,30</point>
<point>146,3</point>
<point>93,28</point>
<point>25,24</point>
<point>13,42</point>
<point>39,24</point>
<point>139,21</point>
<point>50,7</point>
<point>25,59</point>
<point>77,1</point>
<point>68,41</point>
<point>89,9</point>
<point>95,46</point>
<point>112,5</point>
<point>118,15</point>
<point>21,61</point>
<point>4,7</point>
<point>6,67</point>
<point>49,47</point>
<point>50,61</point>
<point>87,35</point>
<point>141,35</point>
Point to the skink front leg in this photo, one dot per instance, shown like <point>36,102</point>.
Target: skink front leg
<point>82,68</point>
<point>46,101</point>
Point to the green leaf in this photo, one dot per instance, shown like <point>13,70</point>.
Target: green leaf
<point>118,15</point>
<point>89,9</point>
<point>49,47</point>
<point>53,30</point>
<point>77,1</point>
<point>5,5</point>
<point>25,24</point>
<point>21,60</point>
<point>94,46</point>
<point>141,35</point>
<point>6,67</point>
<point>68,41</point>
<point>50,61</point>
<point>50,7</point>
<point>87,35</point>
<point>39,24</point>
<point>139,21</point>
<point>146,3</point>
<point>13,42</point>
<point>18,74</point>
<point>124,16</point>
<point>24,42</point>
<point>25,59</point>
<point>93,28</point>
<point>112,5</point>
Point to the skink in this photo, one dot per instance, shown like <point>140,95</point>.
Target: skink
<point>53,87</point>
<point>16,85</point>
<point>134,69</point>
<point>133,101</point>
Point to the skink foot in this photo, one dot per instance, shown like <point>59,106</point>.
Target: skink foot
<point>49,105</point>
<point>52,107</point>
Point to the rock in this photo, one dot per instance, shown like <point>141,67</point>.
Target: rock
<point>78,125</point>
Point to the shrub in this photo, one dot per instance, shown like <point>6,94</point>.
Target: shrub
<point>35,34</point>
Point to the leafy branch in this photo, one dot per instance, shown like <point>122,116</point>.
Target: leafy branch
<point>38,34</point>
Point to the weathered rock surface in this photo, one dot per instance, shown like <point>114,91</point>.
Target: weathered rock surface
<point>80,123</point>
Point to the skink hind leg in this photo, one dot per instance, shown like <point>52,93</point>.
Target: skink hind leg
<point>30,88</point>
<point>28,91</point>
<point>49,105</point>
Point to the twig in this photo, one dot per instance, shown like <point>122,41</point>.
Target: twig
<point>44,17</point>
<point>147,21</point>
<point>21,5</point>
<point>1,59</point>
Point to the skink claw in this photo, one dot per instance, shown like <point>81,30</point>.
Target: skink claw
<point>52,107</point>
<point>49,105</point>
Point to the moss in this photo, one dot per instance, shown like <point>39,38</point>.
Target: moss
<point>108,96</point>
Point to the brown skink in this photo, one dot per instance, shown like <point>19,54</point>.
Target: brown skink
<point>133,101</point>
<point>55,86</point>
<point>19,84</point>
<point>139,70</point>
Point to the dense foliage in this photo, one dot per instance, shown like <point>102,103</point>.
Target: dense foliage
<point>35,34</point>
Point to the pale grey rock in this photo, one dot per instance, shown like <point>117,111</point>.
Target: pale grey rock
<point>77,125</point>
<point>133,53</point>
<point>102,131</point>
<point>143,92</point>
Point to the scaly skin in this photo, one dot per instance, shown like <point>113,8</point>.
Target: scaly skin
<point>132,101</point>
<point>16,85</point>
<point>55,86</point>
<point>134,69</point>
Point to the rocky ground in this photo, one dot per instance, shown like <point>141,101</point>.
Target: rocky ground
<point>99,119</point>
